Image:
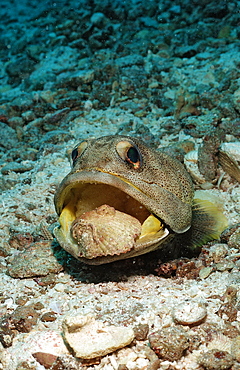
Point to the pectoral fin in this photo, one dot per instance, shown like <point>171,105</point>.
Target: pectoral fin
<point>208,222</point>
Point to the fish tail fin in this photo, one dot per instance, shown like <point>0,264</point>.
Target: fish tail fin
<point>208,222</point>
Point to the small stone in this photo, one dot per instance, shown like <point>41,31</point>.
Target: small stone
<point>98,19</point>
<point>230,295</point>
<point>226,265</point>
<point>6,334</point>
<point>47,96</point>
<point>218,252</point>
<point>78,77</point>
<point>24,318</point>
<point>15,122</point>
<point>38,306</point>
<point>189,313</point>
<point>28,116</point>
<point>205,272</point>
<point>21,301</point>
<point>60,287</point>
<point>45,359</point>
<point>122,367</point>
<point>169,343</point>
<point>188,270</point>
<point>129,60</point>
<point>5,249</point>
<point>141,331</point>
<point>234,240</point>
<point>48,316</point>
<point>215,360</point>
<point>98,338</point>
<point>50,279</point>
<point>228,310</point>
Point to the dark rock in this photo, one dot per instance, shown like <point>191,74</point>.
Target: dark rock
<point>8,137</point>
<point>24,318</point>
<point>6,334</point>
<point>141,331</point>
<point>45,359</point>
<point>98,19</point>
<point>202,125</point>
<point>15,122</point>
<point>215,9</point>
<point>20,69</point>
<point>169,343</point>
<point>48,316</point>
<point>75,79</point>
<point>21,103</point>
<point>21,241</point>
<point>17,167</point>
<point>6,184</point>
<point>37,260</point>
<point>185,51</point>
<point>130,60</point>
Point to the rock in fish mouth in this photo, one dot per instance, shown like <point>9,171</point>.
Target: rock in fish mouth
<point>100,223</point>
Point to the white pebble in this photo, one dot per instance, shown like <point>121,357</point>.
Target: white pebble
<point>60,287</point>
<point>189,313</point>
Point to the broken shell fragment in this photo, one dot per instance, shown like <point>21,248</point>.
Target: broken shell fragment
<point>90,338</point>
<point>105,231</point>
<point>191,164</point>
<point>229,158</point>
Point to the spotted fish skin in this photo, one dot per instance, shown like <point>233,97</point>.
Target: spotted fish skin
<point>126,174</point>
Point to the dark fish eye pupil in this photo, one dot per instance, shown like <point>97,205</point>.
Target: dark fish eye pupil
<point>74,154</point>
<point>133,155</point>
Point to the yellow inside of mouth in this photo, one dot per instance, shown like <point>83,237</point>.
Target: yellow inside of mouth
<point>86,197</point>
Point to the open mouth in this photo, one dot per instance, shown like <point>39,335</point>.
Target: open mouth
<point>100,223</point>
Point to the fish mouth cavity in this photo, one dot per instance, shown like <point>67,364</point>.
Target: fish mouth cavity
<point>80,197</point>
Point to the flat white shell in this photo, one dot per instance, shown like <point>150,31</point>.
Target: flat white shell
<point>189,313</point>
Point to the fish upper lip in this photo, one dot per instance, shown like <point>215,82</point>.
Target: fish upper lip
<point>73,179</point>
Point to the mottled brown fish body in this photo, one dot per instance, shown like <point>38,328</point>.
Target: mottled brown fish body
<point>124,174</point>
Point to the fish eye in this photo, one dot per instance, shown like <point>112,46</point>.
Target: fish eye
<point>132,155</point>
<point>129,153</point>
<point>78,151</point>
<point>74,154</point>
